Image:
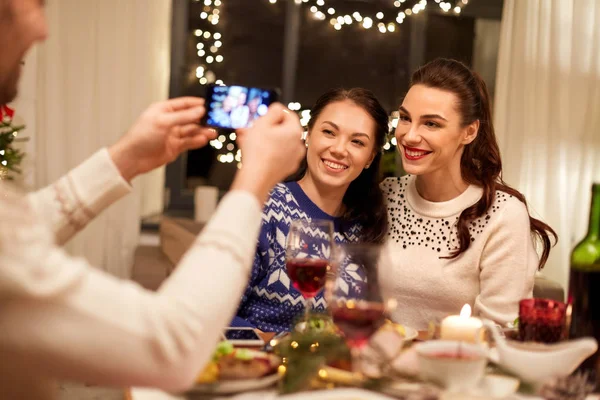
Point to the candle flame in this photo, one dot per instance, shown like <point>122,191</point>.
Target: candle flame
<point>466,311</point>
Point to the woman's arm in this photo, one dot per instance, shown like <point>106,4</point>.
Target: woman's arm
<point>508,265</point>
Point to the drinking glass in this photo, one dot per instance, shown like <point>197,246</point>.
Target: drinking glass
<point>542,320</point>
<point>357,303</point>
<point>308,253</point>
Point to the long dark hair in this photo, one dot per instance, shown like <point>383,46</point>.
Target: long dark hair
<point>480,163</point>
<point>363,200</point>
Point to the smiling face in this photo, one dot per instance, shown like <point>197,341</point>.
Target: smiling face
<point>341,145</point>
<point>430,133</point>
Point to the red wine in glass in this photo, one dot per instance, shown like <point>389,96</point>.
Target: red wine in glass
<point>307,275</point>
<point>358,320</point>
<point>542,320</point>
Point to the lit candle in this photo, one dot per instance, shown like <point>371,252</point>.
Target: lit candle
<point>462,327</point>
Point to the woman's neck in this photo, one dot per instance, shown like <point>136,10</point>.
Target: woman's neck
<point>441,185</point>
<point>327,199</point>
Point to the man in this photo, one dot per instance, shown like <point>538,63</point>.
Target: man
<point>61,318</point>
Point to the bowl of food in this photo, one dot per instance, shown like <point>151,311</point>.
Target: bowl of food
<point>234,370</point>
<point>457,366</point>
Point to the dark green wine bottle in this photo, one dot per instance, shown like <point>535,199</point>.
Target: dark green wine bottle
<point>584,286</point>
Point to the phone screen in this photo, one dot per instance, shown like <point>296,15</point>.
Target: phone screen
<point>241,334</point>
<point>233,107</point>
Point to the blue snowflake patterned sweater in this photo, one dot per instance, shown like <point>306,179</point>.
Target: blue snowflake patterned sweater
<point>270,302</point>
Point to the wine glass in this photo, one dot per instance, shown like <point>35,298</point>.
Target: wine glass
<point>357,303</point>
<point>307,253</point>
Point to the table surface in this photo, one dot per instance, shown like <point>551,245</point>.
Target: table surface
<point>336,394</point>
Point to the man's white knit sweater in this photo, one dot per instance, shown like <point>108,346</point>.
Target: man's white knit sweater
<point>62,318</point>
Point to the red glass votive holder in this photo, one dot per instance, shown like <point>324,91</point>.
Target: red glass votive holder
<point>542,320</point>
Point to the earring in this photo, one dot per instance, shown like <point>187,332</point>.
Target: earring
<point>306,143</point>
<point>367,166</point>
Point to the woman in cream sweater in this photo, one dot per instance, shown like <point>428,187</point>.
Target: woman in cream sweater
<point>458,233</point>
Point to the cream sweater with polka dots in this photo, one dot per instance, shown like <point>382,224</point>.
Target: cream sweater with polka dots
<point>495,272</point>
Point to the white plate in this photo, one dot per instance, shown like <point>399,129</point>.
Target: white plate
<point>236,386</point>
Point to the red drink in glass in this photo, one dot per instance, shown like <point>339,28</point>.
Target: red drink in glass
<point>307,275</point>
<point>358,320</point>
<point>542,320</point>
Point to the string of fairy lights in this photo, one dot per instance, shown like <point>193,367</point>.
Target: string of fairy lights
<point>386,21</point>
<point>208,46</point>
<point>209,43</point>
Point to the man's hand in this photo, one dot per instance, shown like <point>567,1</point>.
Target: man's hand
<point>272,149</point>
<point>160,135</point>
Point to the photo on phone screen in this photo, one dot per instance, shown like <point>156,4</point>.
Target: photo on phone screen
<point>233,107</point>
<point>241,334</point>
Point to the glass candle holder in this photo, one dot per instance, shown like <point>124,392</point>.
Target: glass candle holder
<point>542,320</point>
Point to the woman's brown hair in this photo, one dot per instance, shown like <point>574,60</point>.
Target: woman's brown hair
<point>480,163</point>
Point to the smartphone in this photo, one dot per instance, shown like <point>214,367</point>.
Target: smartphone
<point>243,337</point>
<point>233,107</point>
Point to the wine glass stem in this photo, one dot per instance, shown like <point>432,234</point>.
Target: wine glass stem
<point>307,309</point>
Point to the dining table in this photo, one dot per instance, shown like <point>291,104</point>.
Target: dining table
<point>329,394</point>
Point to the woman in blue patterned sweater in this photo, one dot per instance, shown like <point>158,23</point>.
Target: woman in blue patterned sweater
<point>339,181</point>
